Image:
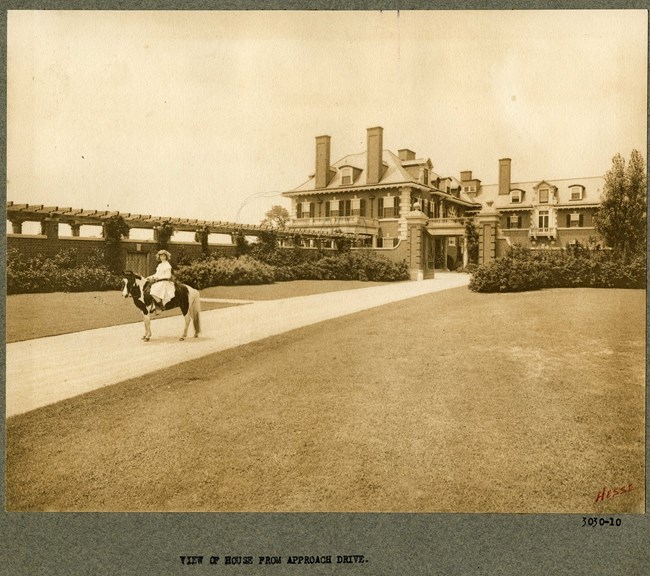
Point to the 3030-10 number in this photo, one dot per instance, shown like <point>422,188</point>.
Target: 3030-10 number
<point>601,521</point>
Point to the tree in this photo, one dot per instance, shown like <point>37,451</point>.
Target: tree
<point>621,218</point>
<point>472,241</point>
<point>277,217</point>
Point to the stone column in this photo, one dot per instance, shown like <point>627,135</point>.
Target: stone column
<point>487,224</point>
<point>404,211</point>
<point>416,222</point>
<point>465,254</point>
<point>16,226</point>
<point>50,228</point>
<point>445,248</point>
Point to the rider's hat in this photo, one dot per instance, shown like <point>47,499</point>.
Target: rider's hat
<point>165,253</point>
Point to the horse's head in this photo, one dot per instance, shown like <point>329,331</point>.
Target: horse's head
<point>132,285</point>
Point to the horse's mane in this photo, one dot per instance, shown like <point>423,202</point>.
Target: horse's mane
<point>128,273</point>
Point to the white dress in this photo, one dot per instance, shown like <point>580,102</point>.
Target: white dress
<point>162,288</point>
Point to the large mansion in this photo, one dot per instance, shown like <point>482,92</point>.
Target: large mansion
<point>371,193</point>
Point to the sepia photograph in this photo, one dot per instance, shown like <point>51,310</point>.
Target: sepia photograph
<point>326,262</point>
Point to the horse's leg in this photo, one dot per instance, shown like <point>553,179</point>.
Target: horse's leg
<point>147,327</point>
<point>186,317</point>
<point>196,314</point>
<point>185,307</point>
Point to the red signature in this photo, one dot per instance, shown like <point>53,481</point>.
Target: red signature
<point>606,494</point>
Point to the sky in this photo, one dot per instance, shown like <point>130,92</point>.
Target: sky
<point>211,115</point>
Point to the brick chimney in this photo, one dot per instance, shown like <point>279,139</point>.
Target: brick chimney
<point>374,165</point>
<point>504,176</point>
<point>465,175</point>
<point>405,154</point>
<point>323,172</point>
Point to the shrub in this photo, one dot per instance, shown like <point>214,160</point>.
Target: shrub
<point>282,256</point>
<point>364,266</point>
<point>577,267</point>
<point>66,271</point>
<point>295,264</point>
<point>115,228</point>
<point>202,235</point>
<point>225,272</point>
<point>165,230</point>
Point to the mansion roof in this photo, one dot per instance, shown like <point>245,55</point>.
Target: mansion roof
<point>396,174</point>
<point>592,189</point>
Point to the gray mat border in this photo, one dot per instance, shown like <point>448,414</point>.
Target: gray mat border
<point>150,544</point>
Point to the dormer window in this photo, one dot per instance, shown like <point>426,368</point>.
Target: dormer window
<point>425,176</point>
<point>576,192</point>
<point>346,176</point>
<point>543,195</point>
<point>515,196</point>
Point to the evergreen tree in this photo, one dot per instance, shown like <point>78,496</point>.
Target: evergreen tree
<point>472,241</point>
<point>621,218</point>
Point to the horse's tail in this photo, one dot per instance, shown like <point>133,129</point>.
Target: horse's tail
<point>195,309</point>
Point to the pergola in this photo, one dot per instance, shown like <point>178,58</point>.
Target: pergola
<point>52,216</point>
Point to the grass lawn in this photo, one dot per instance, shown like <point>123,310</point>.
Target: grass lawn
<point>449,402</point>
<point>38,315</point>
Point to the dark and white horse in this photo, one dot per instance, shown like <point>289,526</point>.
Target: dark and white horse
<point>186,298</point>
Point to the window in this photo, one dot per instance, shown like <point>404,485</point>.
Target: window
<point>574,220</point>
<point>425,176</point>
<point>380,207</point>
<point>543,195</point>
<point>515,196</point>
<point>345,208</point>
<point>390,207</point>
<point>543,219</point>
<point>358,207</point>
<point>305,210</point>
<point>346,176</point>
<point>576,192</point>
<point>514,221</point>
<point>327,209</point>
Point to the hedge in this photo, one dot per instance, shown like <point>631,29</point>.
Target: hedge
<point>68,272</point>
<point>225,272</point>
<point>534,270</point>
<point>64,272</point>
<point>300,266</point>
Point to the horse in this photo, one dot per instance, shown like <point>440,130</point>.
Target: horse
<point>186,298</point>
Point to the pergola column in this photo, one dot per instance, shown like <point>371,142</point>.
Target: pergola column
<point>50,228</point>
<point>16,226</point>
